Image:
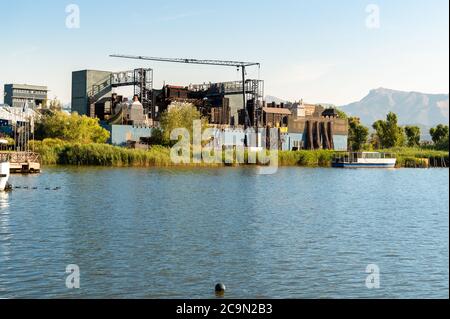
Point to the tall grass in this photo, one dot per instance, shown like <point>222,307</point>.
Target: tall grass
<point>54,151</point>
<point>322,158</point>
<point>418,157</point>
<point>62,153</point>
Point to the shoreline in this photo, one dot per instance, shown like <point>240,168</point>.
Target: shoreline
<point>218,167</point>
<point>57,152</point>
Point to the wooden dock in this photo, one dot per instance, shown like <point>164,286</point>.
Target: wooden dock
<point>22,162</point>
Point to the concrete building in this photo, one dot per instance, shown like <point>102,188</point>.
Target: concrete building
<point>86,84</point>
<point>17,95</point>
<point>122,135</point>
<point>314,127</point>
<point>129,113</point>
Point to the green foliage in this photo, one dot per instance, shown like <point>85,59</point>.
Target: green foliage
<point>10,140</point>
<point>443,145</point>
<point>107,155</point>
<point>412,136</point>
<point>157,138</point>
<point>439,134</point>
<point>179,116</point>
<point>341,114</point>
<point>411,162</point>
<point>308,158</point>
<point>357,135</point>
<point>415,152</point>
<point>374,142</point>
<point>54,105</point>
<point>71,128</point>
<point>54,151</point>
<point>389,133</point>
<point>49,149</point>
<point>414,156</point>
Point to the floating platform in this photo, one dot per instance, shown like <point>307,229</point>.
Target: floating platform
<point>22,162</point>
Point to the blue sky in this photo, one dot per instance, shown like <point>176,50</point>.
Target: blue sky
<point>319,50</point>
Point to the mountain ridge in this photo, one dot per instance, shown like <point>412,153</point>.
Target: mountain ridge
<point>411,107</point>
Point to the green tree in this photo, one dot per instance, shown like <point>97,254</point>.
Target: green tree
<point>71,128</point>
<point>374,141</point>
<point>341,114</point>
<point>181,115</point>
<point>412,136</point>
<point>388,132</point>
<point>443,144</point>
<point>439,133</point>
<point>55,105</point>
<point>357,135</point>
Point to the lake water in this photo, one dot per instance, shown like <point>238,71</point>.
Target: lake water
<point>301,233</point>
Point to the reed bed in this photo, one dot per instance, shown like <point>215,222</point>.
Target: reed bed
<point>58,152</point>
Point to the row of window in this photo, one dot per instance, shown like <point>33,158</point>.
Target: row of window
<point>21,102</point>
<point>21,91</point>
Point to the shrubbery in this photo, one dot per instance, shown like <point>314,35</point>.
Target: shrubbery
<point>71,128</point>
<point>55,151</point>
<point>321,158</point>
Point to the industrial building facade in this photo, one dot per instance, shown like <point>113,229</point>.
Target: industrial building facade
<point>92,90</point>
<point>82,86</point>
<point>228,106</point>
<point>19,95</point>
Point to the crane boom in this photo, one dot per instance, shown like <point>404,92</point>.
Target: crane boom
<point>188,61</point>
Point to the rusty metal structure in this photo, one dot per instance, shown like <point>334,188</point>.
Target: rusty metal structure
<point>249,89</point>
<point>141,80</point>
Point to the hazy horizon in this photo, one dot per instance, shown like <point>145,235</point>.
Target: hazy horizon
<point>323,52</point>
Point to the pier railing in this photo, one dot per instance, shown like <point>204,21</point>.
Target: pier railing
<point>20,157</point>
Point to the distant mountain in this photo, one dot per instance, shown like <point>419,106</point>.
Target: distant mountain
<point>411,107</point>
<point>270,99</point>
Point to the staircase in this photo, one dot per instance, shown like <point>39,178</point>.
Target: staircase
<point>99,90</point>
<point>141,79</point>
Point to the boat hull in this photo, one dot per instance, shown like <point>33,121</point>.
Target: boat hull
<point>4,175</point>
<point>365,160</point>
<point>364,165</point>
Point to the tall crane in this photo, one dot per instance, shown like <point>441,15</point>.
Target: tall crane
<point>236,64</point>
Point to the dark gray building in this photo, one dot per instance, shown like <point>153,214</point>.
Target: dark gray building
<point>87,84</point>
<point>16,95</point>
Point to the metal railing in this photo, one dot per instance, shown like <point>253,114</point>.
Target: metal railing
<point>20,157</point>
<point>352,157</point>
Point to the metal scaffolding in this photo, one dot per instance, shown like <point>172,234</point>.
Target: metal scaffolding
<point>141,79</point>
<point>237,64</point>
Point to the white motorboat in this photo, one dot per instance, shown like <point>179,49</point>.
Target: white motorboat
<point>365,160</point>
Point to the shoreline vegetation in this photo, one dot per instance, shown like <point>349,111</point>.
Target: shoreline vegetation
<point>71,139</point>
<point>58,152</point>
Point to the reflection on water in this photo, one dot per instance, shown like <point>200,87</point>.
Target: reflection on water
<point>4,200</point>
<point>302,233</point>
<point>5,233</point>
